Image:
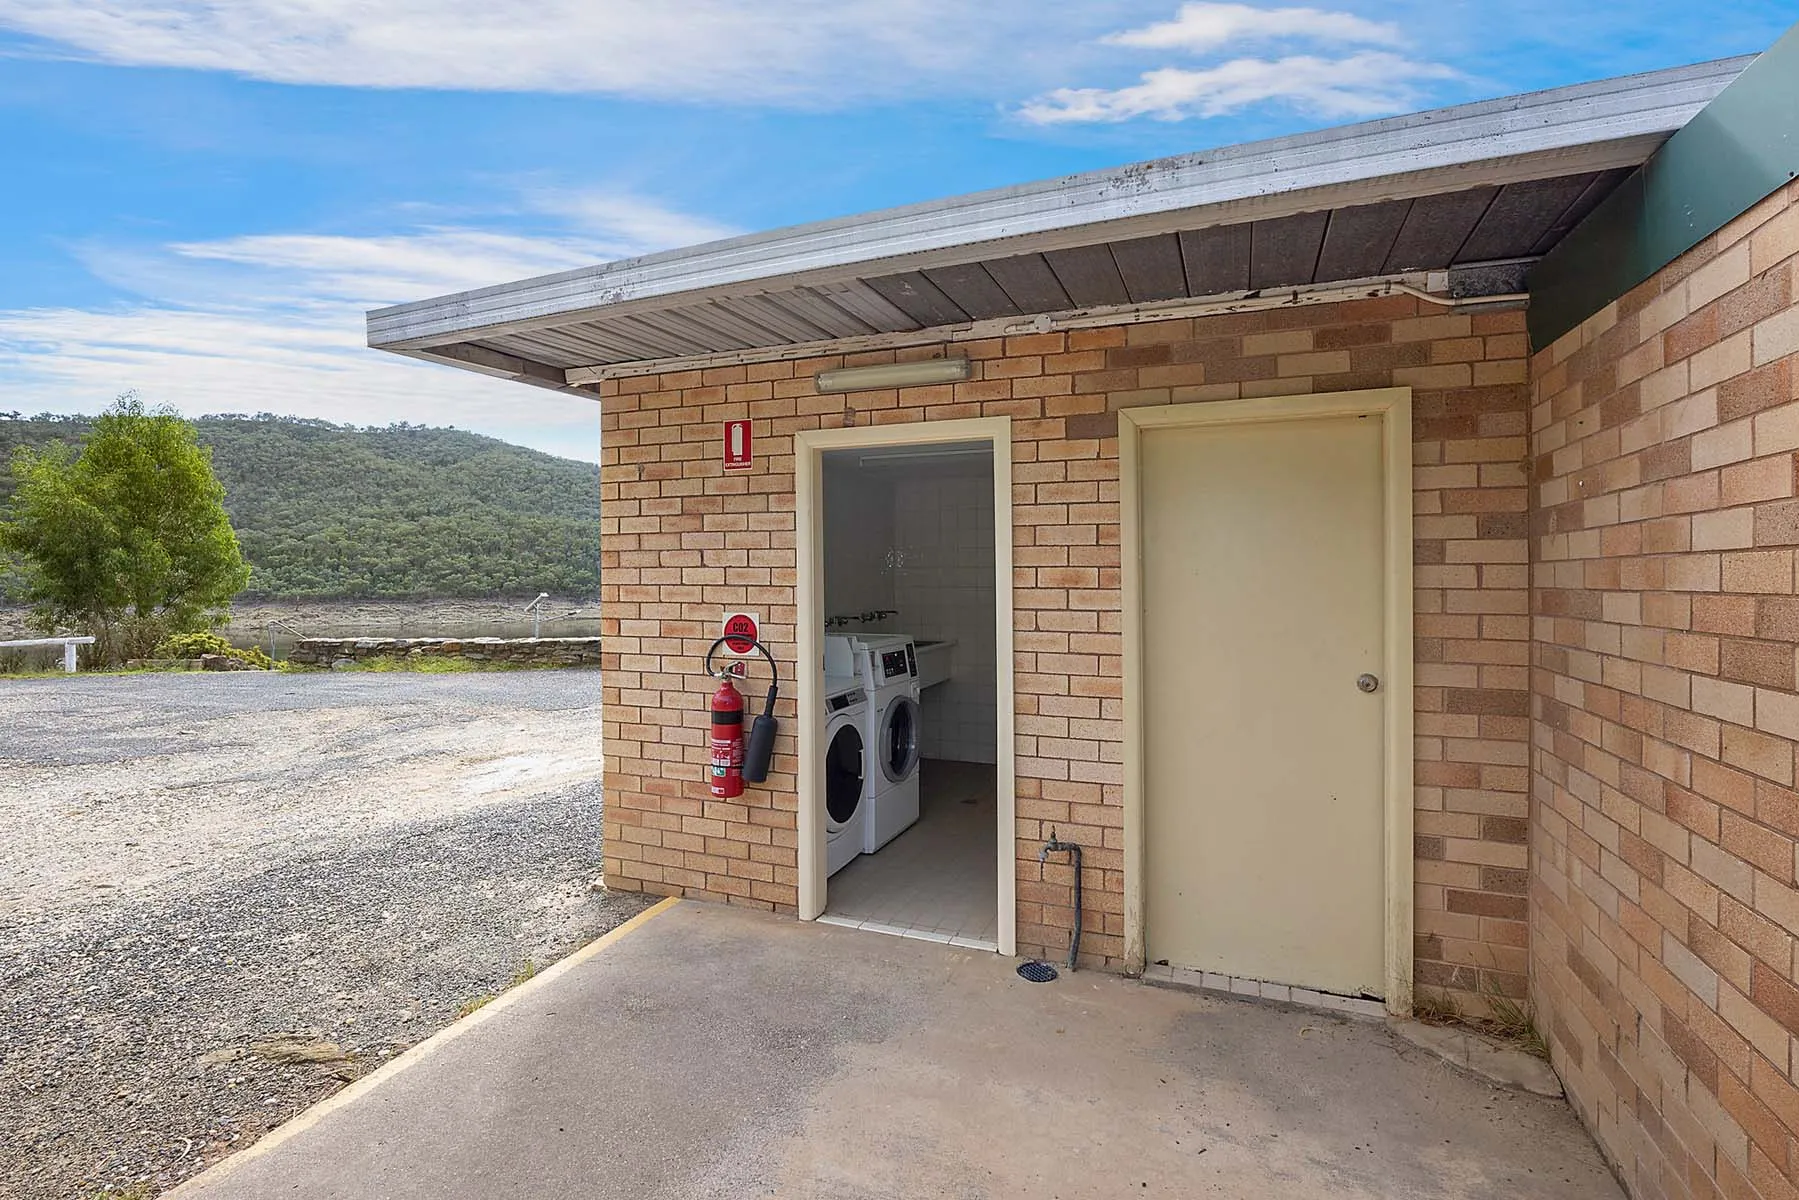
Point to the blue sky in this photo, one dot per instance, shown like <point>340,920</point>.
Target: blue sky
<point>202,196</point>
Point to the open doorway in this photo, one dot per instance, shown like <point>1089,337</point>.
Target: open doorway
<point>912,784</point>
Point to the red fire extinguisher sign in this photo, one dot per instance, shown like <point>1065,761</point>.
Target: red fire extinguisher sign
<point>737,445</point>
<point>741,632</point>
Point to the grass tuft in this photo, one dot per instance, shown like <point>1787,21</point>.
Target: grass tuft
<point>1513,1020</point>
<point>420,664</point>
<point>424,664</point>
<point>474,1005</point>
<point>131,1191</point>
<point>526,970</point>
<point>1436,1008</point>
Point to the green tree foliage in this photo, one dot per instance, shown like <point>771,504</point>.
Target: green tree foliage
<point>328,511</point>
<point>127,539</point>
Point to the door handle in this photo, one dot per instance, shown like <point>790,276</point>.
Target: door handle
<point>1367,683</point>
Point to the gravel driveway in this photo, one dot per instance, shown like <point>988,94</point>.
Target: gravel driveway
<point>224,895</point>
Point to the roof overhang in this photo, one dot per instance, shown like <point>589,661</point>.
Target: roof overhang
<point>1497,182</point>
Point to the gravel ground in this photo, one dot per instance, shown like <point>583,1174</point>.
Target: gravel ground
<point>208,882</point>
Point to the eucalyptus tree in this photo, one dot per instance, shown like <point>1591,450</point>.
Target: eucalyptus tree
<point>127,537</point>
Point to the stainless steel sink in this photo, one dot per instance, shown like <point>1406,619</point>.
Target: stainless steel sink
<point>933,661</point>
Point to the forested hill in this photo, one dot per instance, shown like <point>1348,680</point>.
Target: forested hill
<point>328,510</point>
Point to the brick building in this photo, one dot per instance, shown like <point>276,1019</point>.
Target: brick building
<point>1389,566</point>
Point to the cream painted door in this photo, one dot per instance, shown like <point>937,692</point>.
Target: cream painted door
<point>1263,587</point>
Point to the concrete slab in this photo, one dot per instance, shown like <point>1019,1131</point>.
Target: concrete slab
<point>1486,1058</point>
<point>713,1052</point>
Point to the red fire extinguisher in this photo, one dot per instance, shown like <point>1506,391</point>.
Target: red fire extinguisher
<point>732,762</point>
<point>727,741</point>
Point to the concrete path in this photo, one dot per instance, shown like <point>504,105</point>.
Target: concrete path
<point>711,1052</point>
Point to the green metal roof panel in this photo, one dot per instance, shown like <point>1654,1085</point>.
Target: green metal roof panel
<point>1734,153</point>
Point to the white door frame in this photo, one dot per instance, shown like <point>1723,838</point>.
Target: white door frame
<point>1394,407</point>
<point>808,466</point>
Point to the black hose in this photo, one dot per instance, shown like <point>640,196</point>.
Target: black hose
<point>773,670</point>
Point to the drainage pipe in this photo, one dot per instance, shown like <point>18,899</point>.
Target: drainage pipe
<point>1057,846</point>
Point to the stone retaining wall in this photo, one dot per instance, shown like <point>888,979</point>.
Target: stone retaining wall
<point>560,652</point>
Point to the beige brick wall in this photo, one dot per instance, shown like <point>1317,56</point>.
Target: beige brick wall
<point>681,541</point>
<point>1664,820</point>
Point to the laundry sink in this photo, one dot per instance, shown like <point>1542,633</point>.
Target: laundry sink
<point>933,660</point>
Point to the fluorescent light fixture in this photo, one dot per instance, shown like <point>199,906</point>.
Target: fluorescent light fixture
<point>926,453</point>
<point>893,375</point>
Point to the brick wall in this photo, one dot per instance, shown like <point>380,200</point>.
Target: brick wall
<point>1664,817</point>
<point>681,541</point>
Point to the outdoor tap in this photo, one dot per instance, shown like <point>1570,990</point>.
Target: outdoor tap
<point>1056,845</point>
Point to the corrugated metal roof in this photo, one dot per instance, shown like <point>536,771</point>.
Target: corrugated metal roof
<point>1500,180</point>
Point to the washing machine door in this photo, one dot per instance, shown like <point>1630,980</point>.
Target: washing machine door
<point>898,748</point>
<point>843,775</point>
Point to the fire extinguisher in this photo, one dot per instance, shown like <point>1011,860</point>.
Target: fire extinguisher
<point>731,761</point>
<point>727,741</point>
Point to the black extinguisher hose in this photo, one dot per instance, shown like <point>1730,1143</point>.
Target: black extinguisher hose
<point>759,750</point>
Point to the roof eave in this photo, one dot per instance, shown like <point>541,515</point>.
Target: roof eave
<point>1595,126</point>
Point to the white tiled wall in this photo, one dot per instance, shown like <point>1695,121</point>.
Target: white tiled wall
<point>919,539</point>
<point>859,538</point>
<point>944,589</point>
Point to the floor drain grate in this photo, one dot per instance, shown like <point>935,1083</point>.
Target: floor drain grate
<point>1036,972</point>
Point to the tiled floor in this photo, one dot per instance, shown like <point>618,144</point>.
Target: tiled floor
<point>938,880</point>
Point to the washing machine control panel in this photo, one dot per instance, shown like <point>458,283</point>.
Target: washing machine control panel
<point>844,700</point>
<point>894,664</point>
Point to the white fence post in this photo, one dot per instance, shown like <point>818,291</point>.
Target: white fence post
<point>68,645</point>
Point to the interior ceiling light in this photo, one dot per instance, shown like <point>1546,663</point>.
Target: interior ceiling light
<point>925,452</point>
<point>893,375</point>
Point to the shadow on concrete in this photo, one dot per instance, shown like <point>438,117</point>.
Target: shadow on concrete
<point>713,1052</point>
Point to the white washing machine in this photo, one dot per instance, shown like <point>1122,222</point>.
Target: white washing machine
<point>845,766</point>
<point>841,650</point>
<point>890,673</point>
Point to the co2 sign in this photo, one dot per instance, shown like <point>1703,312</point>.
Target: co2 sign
<point>741,632</point>
<point>737,446</point>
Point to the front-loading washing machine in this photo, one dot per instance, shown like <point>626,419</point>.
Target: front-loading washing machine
<point>890,672</point>
<point>845,766</point>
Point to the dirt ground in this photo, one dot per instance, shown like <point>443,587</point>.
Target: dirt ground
<point>224,895</point>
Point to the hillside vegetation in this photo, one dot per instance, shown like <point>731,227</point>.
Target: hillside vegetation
<point>328,511</point>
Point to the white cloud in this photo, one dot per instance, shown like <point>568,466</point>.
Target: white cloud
<point>1200,28</point>
<point>1352,83</point>
<point>735,52</point>
<point>306,362</point>
<point>274,322</point>
<point>631,218</point>
<point>378,269</point>
<point>1362,85</point>
<point>781,51</point>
